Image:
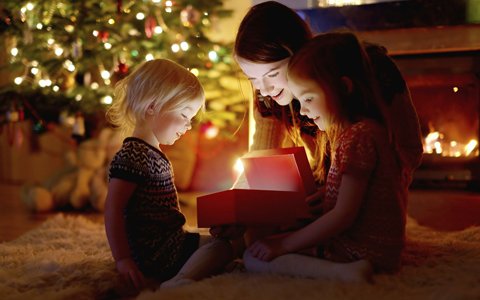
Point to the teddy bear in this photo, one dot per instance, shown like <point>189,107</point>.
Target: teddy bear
<point>82,182</point>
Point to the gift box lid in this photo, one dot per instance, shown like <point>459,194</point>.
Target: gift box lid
<point>283,169</point>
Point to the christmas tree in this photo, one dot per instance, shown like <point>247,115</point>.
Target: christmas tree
<point>63,58</point>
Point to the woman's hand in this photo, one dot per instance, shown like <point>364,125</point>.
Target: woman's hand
<point>231,231</point>
<point>315,202</point>
<point>130,273</point>
<point>268,248</point>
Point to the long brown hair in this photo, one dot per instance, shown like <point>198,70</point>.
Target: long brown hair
<point>268,33</point>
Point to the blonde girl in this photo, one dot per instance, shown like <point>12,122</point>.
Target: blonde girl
<point>144,225</point>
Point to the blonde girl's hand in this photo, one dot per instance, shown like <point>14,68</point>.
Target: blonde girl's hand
<point>130,273</point>
<point>267,248</point>
<point>315,202</point>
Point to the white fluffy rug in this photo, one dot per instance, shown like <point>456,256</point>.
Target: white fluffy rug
<point>68,258</point>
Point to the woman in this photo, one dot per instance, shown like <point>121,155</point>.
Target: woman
<point>269,34</point>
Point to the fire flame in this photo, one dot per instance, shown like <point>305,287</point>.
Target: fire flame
<point>435,143</point>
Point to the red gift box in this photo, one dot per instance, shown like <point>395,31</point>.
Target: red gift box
<point>284,169</point>
<point>278,179</point>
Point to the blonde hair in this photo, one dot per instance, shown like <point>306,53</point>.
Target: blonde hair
<point>160,84</point>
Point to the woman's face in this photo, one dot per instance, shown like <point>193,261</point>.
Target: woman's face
<point>269,78</point>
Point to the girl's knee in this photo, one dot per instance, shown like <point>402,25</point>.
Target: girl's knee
<point>221,247</point>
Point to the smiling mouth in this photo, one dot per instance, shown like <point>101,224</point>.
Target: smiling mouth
<point>277,95</point>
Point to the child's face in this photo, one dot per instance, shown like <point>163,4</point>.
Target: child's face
<point>269,78</point>
<point>171,125</point>
<point>313,100</point>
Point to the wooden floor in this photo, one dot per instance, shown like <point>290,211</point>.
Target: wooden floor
<point>442,210</point>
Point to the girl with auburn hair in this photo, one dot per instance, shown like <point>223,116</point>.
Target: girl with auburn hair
<point>364,217</point>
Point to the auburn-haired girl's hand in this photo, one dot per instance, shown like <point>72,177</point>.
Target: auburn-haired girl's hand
<point>268,248</point>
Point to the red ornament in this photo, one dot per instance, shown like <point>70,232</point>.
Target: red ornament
<point>103,36</point>
<point>122,68</point>
<point>150,24</point>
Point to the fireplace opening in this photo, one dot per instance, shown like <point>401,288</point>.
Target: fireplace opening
<point>445,90</point>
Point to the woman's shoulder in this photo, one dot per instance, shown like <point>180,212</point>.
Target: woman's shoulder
<point>365,126</point>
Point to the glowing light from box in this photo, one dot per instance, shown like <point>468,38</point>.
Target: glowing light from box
<point>238,167</point>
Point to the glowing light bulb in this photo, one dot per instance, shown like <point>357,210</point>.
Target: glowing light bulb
<point>149,57</point>
<point>184,46</point>
<point>105,74</point>
<point>58,51</point>
<point>211,131</point>
<point>68,64</point>
<point>213,56</point>
<point>195,71</point>
<point>107,100</point>
<point>18,80</point>
<point>158,29</point>
<point>175,48</point>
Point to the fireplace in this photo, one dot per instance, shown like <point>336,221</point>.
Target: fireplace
<point>445,88</point>
<point>436,45</point>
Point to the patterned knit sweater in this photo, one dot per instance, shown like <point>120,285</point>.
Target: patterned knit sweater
<point>153,218</point>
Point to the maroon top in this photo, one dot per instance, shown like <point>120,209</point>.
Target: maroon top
<point>378,232</point>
